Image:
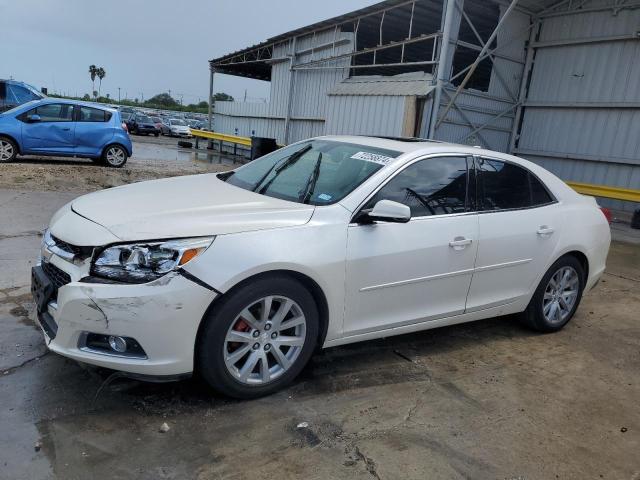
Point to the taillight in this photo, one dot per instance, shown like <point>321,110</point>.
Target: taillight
<point>124,127</point>
<point>607,214</point>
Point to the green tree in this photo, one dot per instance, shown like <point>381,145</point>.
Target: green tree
<point>93,72</point>
<point>163,99</point>
<point>222,97</point>
<point>101,73</point>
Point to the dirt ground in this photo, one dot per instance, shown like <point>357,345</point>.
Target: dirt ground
<point>488,400</point>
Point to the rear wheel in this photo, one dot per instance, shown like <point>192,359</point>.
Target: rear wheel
<point>259,338</point>
<point>114,156</point>
<point>8,150</point>
<point>557,297</point>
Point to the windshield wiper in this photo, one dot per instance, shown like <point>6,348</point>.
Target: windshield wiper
<point>279,167</point>
<point>307,192</point>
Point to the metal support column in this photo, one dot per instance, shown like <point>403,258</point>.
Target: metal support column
<point>210,120</point>
<point>292,84</point>
<point>442,63</point>
<point>475,64</point>
<point>210,112</point>
<point>526,72</point>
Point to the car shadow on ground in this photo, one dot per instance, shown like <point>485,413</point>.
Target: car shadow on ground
<point>393,360</point>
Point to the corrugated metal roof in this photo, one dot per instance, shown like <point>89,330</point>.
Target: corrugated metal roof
<point>417,83</point>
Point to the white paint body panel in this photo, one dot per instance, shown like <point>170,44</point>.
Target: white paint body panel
<point>378,280</point>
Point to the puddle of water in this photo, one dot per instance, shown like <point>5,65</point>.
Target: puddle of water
<point>150,151</point>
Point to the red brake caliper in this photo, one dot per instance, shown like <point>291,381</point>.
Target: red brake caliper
<point>240,326</point>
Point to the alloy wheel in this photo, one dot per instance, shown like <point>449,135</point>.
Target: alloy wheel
<point>560,295</point>
<point>264,340</point>
<point>116,156</point>
<point>6,150</point>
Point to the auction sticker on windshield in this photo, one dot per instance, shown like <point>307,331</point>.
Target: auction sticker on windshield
<point>372,157</point>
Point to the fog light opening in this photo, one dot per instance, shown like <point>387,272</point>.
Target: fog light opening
<point>117,344</point>
<point>111,345</point>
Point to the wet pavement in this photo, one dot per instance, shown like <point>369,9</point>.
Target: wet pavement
<point>166,149</point>
<point>488,400</point>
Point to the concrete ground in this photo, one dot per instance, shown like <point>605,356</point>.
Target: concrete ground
<point>489,400</point>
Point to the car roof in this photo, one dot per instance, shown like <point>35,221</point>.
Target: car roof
<point>414,147</point>
<point>49,100</point>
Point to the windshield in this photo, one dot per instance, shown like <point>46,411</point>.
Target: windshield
<point>144,120</point>
<point>179,123</point>
<point>318,172</point>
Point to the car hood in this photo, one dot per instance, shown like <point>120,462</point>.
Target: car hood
<point>190,206</point>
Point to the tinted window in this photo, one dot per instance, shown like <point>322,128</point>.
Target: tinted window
<point>55,112</point>
<point>88,114</point>
<point>539,194</point>
<point>506,186</point>
<point>435,186</point>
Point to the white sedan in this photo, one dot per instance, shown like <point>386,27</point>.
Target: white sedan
<point>240,276</point>
<point>178,128</point>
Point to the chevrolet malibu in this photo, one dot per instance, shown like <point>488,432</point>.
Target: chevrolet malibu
<point>240,276</point>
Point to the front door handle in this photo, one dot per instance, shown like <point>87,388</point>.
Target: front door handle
<point>459,243</point>
<point>66,129</point>
<point>544,230</point>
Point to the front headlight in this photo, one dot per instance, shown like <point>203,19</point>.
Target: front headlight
<point>148,261</point>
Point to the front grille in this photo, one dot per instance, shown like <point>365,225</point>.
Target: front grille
<point>67,247</point>
<point>57,276</point>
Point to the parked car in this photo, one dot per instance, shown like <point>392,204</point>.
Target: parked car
<point>141,124</point>
<point>13,94</point>
<point>64,128</point>
<point>164,129</point>
<point>179,128</point>
<point>242,275</point>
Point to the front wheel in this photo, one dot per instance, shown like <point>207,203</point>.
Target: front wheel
<point>8,150</point>
<point>259,338</point>
<point>557,297</point>
<point>114,156</point>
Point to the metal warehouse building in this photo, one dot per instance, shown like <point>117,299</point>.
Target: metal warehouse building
<point>554,81</point>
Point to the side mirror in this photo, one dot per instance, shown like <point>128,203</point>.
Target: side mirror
<point>33,118</point>
<point>386,211</point>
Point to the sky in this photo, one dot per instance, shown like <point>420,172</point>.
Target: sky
<point>146,46</point>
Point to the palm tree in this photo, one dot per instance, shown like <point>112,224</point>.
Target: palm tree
<point>101,74</point>
<point>93,71</point>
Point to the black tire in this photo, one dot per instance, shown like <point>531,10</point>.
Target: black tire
<point>534,316</point>
<point>8,150</point>
<point>156,135</point>
<point>210,348</point>
<point>112,159</point>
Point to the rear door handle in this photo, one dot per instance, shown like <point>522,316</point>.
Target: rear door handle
<point>459,243</point>
<point>66,129</point>
<point>545,230</point>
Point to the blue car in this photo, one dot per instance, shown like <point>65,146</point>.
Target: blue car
<point>64,128</point>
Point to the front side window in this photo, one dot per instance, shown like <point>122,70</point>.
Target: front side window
<point>319,172</point>
<point>434,186</point>
<point>54,112</point>
<point>504,186</point>
<point>88,114</point>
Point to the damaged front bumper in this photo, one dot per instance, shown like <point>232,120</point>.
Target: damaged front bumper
<point>162,316</point>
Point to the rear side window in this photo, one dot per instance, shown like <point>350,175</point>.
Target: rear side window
<point>88,114</point>
<point>504,186</point>
<point>434,186</point>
